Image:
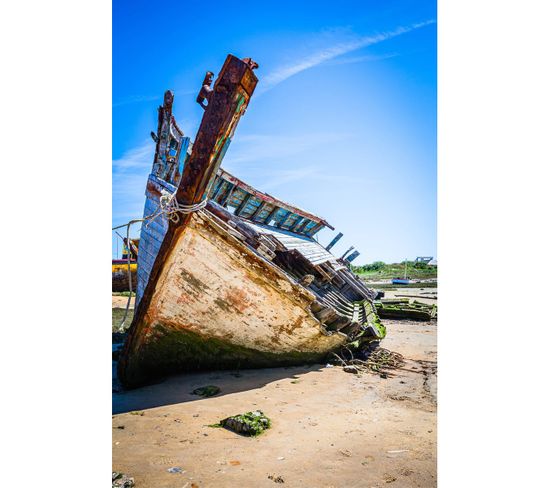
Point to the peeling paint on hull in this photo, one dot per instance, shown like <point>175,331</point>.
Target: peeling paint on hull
<point>220,305</point>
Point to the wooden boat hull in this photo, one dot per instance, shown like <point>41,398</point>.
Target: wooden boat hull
<point>218,304</point>
<point>404,309</point>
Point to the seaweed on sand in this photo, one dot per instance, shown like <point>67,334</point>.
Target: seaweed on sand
<point>207,391</point>
<point>248,424</point>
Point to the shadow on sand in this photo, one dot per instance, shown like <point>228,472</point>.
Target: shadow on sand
<point>178,388</point>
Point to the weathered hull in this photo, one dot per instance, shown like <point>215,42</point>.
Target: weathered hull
<point>218,304</point>
<point>403,309</point>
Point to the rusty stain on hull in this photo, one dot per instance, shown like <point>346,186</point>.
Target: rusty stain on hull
<point>262,309</point>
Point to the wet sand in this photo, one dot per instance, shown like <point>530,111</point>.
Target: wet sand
<point>329,428</point>
<point>120,301</point>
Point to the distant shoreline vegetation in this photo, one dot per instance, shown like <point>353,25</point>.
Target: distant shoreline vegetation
<point>378,270</point>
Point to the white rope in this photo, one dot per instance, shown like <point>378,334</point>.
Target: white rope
<point>168,205</point>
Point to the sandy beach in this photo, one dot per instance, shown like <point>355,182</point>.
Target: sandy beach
<point>329,428</point>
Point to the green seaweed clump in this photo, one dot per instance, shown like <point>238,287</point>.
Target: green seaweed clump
<point>207,391</point>
<point>248,424</point>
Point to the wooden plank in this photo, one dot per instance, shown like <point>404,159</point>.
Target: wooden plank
<point>355,317</point>
<point>244,201</point>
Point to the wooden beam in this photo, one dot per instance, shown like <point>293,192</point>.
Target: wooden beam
<point>240,208</point>
<point>334,241</point>
<point>217,192</point>
<point>350,249</point>
<point>282,222</point>
<point>258,210</point>
<point>302,225</point>
<point>271,215</point>
<point>228,195</point>
<point>352,256</point>
<point>296,223</point>
<point>314,229</point>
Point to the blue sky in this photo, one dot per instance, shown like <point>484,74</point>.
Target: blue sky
<point>342,124</point>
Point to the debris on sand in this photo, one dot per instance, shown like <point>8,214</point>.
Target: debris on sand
<point>175,469</point>
<point>351,369</point>
<point>120,480</point>
<point>276,479</point>
<point>389,478</point>
<point>248,424</point>
<point>376,360</point>
<point>207,391</point>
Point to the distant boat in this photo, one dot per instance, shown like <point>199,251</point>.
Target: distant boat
<point>402,281</point>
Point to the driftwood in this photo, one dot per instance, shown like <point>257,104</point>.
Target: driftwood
<point>379,361</point>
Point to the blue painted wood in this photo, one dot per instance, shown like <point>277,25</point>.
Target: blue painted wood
<point>152,234</point>
<point>352,256</point>
<point>183,153</point>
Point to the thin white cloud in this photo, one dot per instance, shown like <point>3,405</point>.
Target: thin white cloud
<point>136,99</point>
<point>258,148</point>
<point>278,178</point>
<point>130,173</point>
<point>283,73</point>
<point>137,157</point>
<point>361,59</point>
<point>148,98</point>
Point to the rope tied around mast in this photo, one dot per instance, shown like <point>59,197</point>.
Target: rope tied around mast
<point>169,206</point>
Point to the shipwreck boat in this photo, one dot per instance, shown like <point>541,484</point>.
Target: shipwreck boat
<point>229,276</point>
<point>403,308</point>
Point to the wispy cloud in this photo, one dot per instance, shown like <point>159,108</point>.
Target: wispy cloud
<point>278,178</point>
<point>269,162</point>
<point>129,177</point>
<point>148,98</point>
<point>256,149</point>
<point>139,156</point>
<point>283,73</point>
<point>362,59</point>
<point>135,99</point>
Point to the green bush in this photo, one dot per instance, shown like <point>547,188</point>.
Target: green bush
<point>376,266</point>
